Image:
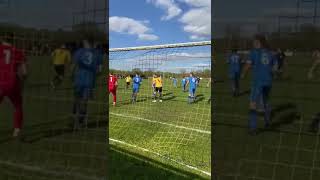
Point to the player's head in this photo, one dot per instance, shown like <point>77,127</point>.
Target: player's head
<point>234,50</point>
<point>63,46</point>
<point>88,41</point>
<point>191,74</point>
<point>260,41</point>
<point>8,38</point>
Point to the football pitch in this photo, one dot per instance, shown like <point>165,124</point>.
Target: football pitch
<point>286,151</point>
<point>49,148</point>
<point>165,140</point>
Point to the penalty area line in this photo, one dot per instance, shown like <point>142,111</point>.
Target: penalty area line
<point>158,154</point>
<point>49,172</point>
<point>163,123</point>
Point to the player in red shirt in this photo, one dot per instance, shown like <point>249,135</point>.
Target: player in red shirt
<point>12,73</point>
<point>113,83</point>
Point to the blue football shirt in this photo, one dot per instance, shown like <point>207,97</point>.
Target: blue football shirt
<point>192,82</point>
<point>136,81</point>
<point>234,62</point>
<point>87,61</point>
<point>262,61</point>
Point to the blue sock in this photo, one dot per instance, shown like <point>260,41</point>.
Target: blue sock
<point>253,119</point>
<point>267,113</point>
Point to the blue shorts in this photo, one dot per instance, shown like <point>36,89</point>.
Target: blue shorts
<point>192,91</point>
<point>258,92</point>
<point>234,75</point>
<point>135,89</point>
<point>84,93</point>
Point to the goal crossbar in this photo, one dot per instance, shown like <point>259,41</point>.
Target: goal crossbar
<point>177,45</point>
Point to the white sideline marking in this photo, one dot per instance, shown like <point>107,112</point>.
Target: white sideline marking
<point>39,169</point>
<point>149,151</point>
<point>163,123</point>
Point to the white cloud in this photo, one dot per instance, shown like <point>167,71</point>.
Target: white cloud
<point>170,6</point>
<point>132,27</point>
<point>197,21</point>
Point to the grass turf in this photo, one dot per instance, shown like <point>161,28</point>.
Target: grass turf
<point>163,132</point>
<point>49,148</point>
<point>286,151</point>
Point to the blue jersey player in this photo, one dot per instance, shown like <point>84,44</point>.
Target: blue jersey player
<point>137,80</point>
<point>192,82</point>
<point>183,84</point>
<point>87,62</point>
<point>234,62</point>
<point>262,62</point>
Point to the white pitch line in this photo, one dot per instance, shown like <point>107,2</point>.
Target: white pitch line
<point>149,151</point>
<point>40,169</point>
<point>163,123</point>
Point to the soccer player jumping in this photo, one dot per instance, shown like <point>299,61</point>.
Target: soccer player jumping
<point>113,83</point>
<point>192,82</point>
<point>262,63</point>
<point>13,71</point>
<point>234,62</point>
<point>87,61</point>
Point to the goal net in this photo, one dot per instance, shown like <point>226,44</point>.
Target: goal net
<point>286,150</point>
<point>50,147</point>
<point>172,132</point>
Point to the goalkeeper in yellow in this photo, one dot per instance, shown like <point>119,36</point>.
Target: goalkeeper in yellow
<point>157,87</point>
<point>61,57</point>
<point>128,81</point>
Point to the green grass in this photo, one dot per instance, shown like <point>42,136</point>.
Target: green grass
<point>163,133</point>
<point>49,148</point>
<point>288,150</point>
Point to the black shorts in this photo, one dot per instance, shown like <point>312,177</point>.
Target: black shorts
<point>59,69</point>
<point>128,83</point>
<point>158,89</point>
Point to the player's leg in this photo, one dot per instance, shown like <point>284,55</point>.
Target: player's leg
<point>160,94</point>
<point>114,95</point>
<point>86,94</point>
<point>154,95</point>
<point>254,98</point>
<point>16,99</point>
<point>59,69</point>
<point>76,106</point>
<point>194,95</point>
<point>237,84</point>
<point>267,107</point>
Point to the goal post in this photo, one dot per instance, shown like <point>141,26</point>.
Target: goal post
<point>171,131</point>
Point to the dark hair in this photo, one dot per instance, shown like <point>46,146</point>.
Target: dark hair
<point>263,41</point>
<point>8,37</point>
<point>234,50</point>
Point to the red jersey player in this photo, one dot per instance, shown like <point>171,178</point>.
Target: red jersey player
<point>12,73</point>
<point>113,83</point>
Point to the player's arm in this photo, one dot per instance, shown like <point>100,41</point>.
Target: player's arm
<point>246,68</point>
<point>313,67</point>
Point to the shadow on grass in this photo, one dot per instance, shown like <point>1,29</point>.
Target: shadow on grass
<point>243,93</point>
<point>52,131</point>
<point>127,165</point>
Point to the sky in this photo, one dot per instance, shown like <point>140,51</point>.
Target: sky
<point>248,13</point>
<point>155,22</point>
<point>150,22</point>
<point>51,14</point>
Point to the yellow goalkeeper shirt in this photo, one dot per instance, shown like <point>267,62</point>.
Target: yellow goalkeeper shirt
<point>61,57</point>
<point>128,79</point>
<point>157,82</point>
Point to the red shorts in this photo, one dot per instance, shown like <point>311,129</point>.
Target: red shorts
<point>114,94</point>
<point>15,96</point>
